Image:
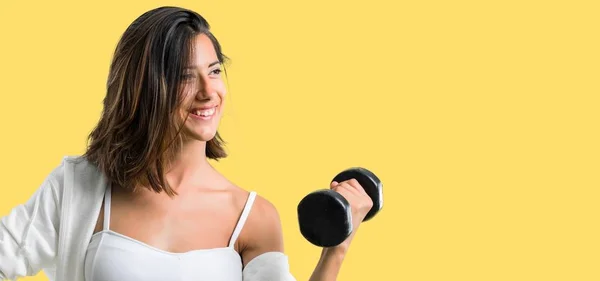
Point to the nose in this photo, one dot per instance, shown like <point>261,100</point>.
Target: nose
<point>205,90</point>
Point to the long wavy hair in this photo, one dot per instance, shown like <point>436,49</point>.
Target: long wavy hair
<point>138,134</point>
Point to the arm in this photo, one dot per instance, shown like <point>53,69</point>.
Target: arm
<point>261,245</point>
<point>330,263</point>
<point>29,233</point>
<point>261,242</point>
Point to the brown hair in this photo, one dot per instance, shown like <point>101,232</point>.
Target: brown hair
<point>138,134</point>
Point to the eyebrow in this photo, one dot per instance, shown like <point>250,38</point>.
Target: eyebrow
<point>210,65</point>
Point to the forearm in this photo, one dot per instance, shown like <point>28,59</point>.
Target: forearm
<point>28,234</point>
<point>329,264</point>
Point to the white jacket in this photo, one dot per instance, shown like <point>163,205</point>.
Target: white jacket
<point>51,231</point>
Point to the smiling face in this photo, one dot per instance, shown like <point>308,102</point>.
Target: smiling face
<point>165,69</point>
<point>203,91</point>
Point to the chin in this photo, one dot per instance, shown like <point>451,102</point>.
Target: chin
<point>205,136</point>
<point>197,135</point>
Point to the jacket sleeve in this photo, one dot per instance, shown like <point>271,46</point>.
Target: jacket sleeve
<point>29,233</point>
<point>270,266</point>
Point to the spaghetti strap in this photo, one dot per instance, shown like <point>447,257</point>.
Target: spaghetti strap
<point>107,197</point>
<point>242,220</point>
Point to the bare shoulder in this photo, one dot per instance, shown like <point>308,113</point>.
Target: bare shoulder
<point>262,214</point>
<point>262,231</point>
<point>264,219</point>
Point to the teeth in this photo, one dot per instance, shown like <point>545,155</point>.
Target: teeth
<point>206,112</point>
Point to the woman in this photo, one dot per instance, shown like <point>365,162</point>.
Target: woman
<point>143,202</point>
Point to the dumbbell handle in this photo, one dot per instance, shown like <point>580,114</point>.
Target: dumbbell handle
<point>369,182</point>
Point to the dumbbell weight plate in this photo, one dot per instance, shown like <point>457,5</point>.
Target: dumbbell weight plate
<point>325,218</point>
<point>371,184</point>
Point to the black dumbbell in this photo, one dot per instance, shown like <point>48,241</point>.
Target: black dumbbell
<point>325,216</point>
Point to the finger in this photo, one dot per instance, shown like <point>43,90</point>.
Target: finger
<point>356,185</point>
<point>351,185</point>
<point>333,184</point>
<point>347,187</point>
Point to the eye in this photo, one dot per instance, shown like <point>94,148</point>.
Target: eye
<point>216,71</point>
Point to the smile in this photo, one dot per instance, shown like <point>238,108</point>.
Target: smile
<point>204,113</point>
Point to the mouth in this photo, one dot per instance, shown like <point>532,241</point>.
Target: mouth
<point>204,113</point>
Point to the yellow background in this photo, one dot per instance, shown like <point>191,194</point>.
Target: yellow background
<point>480,117</point>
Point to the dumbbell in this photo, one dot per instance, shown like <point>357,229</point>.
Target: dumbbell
<point>325,216</point>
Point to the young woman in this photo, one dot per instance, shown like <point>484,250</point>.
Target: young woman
<point>143,202</point>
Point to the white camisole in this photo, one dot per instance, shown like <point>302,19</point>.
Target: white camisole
<point>115,257</point>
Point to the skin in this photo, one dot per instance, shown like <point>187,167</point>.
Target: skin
<point>205,212</point>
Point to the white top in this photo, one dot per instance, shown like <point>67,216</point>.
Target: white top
<point>54,231</point>
<point>112,256</point>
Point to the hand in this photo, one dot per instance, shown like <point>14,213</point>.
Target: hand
<point>360,204</point>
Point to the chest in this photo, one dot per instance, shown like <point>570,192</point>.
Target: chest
<point>187,223</point>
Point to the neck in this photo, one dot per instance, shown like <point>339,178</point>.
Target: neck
<point>188,164</point>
